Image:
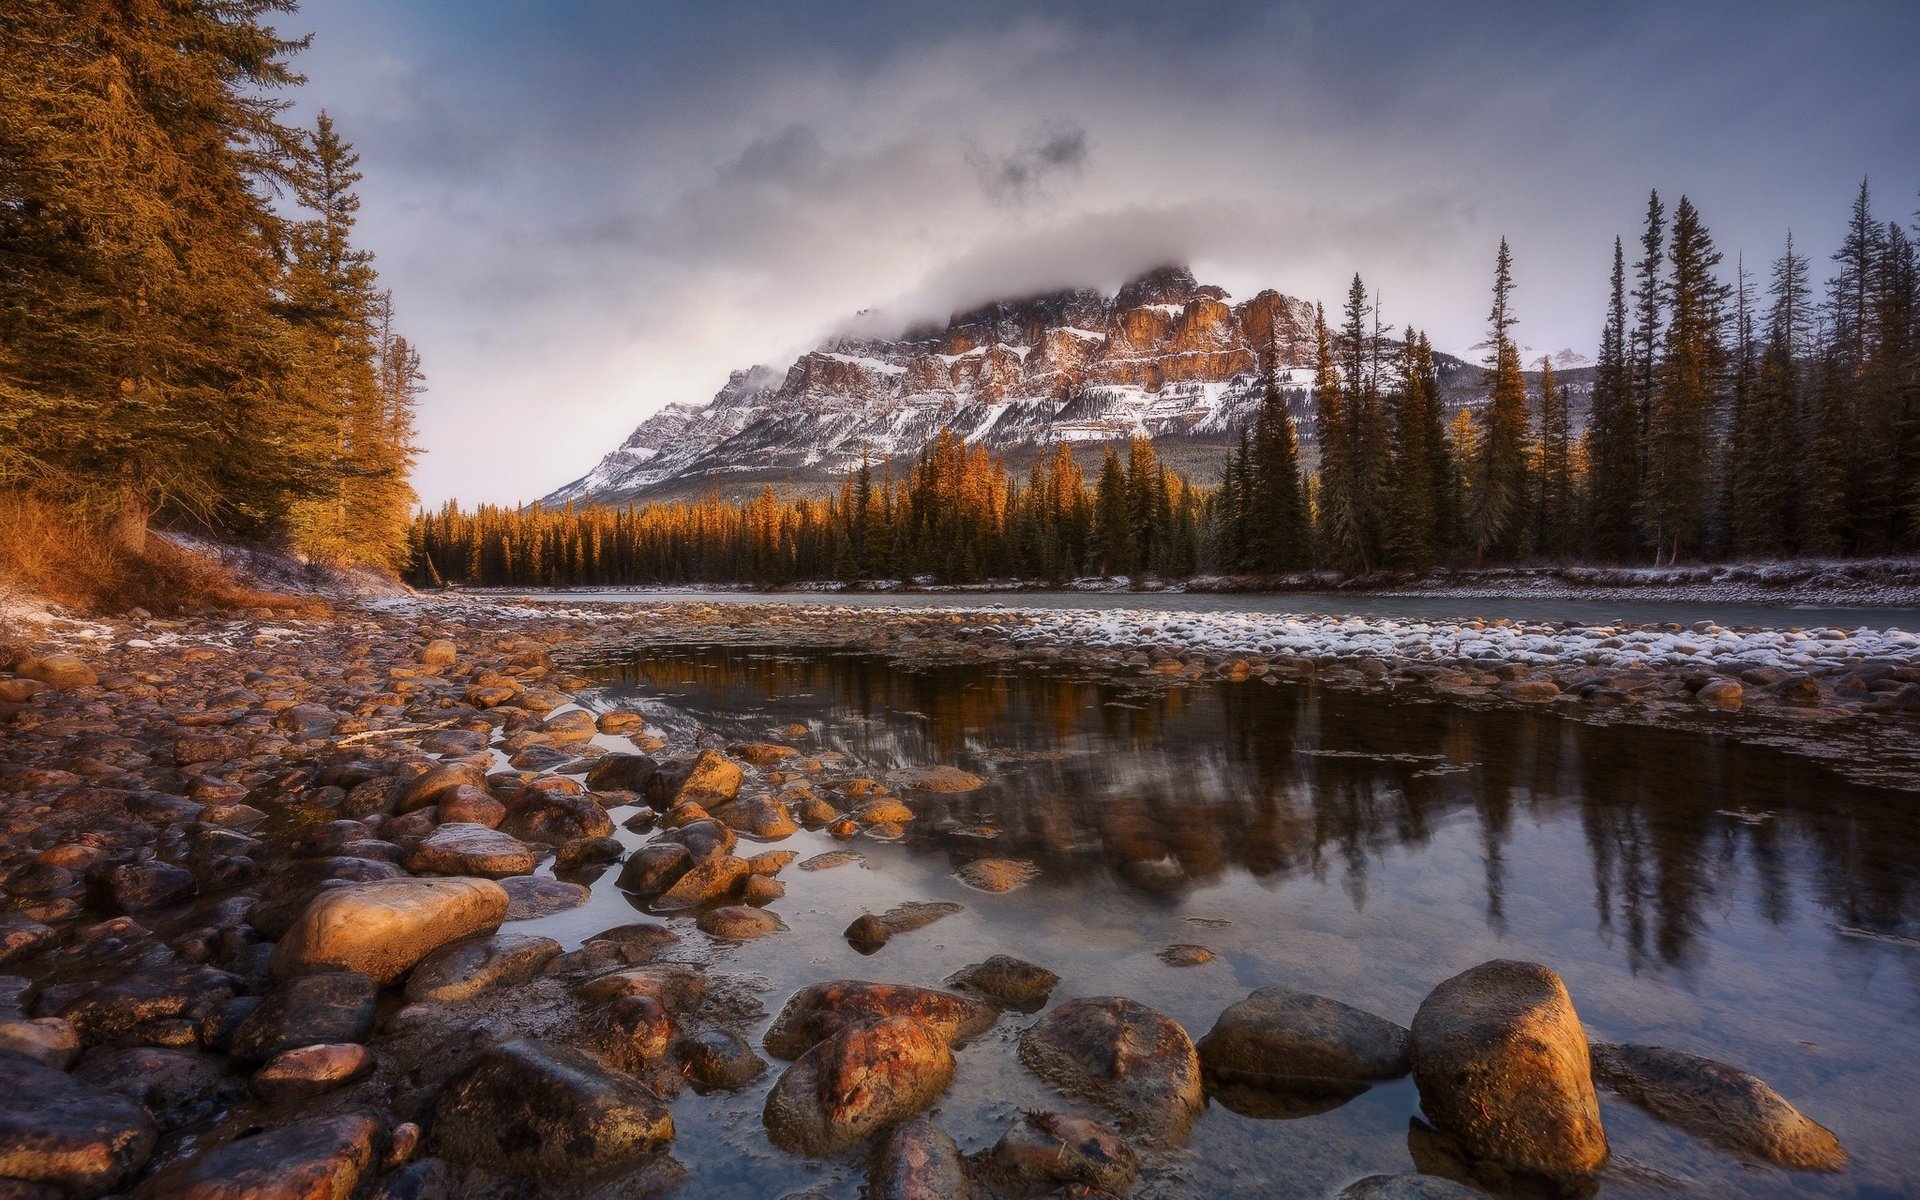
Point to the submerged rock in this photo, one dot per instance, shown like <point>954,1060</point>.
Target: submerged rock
<point>1277,1034</point>
<point>1502,1066</point>
<point>717,1059</point>
<point>1718,1103</point>
<point>1136,1063</point>
<point>857,1082</point>
<point>1043,1150</point>
<point>1409,1187</point>
<point>527,1107</point>
<point>1006,980</point>
<point>998,874</point>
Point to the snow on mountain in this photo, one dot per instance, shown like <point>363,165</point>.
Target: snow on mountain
<point>1166,357</point>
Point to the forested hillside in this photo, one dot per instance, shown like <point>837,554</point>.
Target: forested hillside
<point>1729,419</point>
<point>189,331</point>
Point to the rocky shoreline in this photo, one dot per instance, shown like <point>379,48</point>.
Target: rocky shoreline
<point>259,883</point>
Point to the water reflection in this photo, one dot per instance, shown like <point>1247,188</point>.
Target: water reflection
<point>1172,789</point>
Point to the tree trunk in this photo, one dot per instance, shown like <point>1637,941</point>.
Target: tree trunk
<point>127,529</point>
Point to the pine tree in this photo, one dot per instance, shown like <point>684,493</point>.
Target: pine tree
<point>1272,533</point>
<point>1555,537</point>
<point>1338,507</point>
<point>1614,429</point>
<point>1680,444</point>
<point>1501,487</point>
<point>1649,293</point>
<point>1112,529</point>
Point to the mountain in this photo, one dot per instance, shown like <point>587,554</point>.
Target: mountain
<point>1166,357</point>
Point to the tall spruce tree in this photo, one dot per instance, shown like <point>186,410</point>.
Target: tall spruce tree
<point>1555,536</point>
<point>1273,535</point>
<point>1649,295</point>
<point>1339,506</point>
<point>1614,430</point>
<point>1501,486</point>
<point>1680,444</point>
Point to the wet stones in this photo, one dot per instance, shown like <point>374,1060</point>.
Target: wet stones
<point>304,1011</point>
<point>48,1040</point>
<point>461,848</point>
<point>142,1000</point>
<point>620,772</point>
<point>528,1107</point>
<point>1043,1150</point>
<point>129,887</point>
<point>435,785</point>
<point>862,1079</point>
<point>21,938</point>
<point>1003,979</point>
<point>631,1032</point>
<point>383,928</point>
<point>176,1087</point>
<point>713,778</point>
<point>570,728</point>
<point>554,811</point>
<point>309,1071</point>
<point>58,1131</point>
<point>1186,954</point>
<point>440,652</point>
<point>867,933</point>
<point>1723,694</point>
<point>936,779</point>
<point>759,816</point>
<point>464,969</point>
<point>717,1060</point>
<point>918,1160</point>
<point>1718,1103</point>
<point>319,1157</point>
<point>62,672</point>
<point>1131,1060</point>
<point>1277,1037</point>
<point>819,1010</point>
<point>530,896</point>
<point>1502,1066</point>
<point>740,923</point>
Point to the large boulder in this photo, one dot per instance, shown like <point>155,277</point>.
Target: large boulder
<point>528,1107</point>
<point>1131,1060</point>
<point>1502,1067</point>
<point>854,1084</point>
<point>383,928</point>
<point>918,1160</point>
<point>318,1159</point>
<point>58,1131</point>
<point>1718,1103</point>
<point>819,1010</point>
<point>462,848</point>
<point>1277,1035</point>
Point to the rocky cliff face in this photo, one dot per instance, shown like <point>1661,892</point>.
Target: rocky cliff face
<point>1166,357</point>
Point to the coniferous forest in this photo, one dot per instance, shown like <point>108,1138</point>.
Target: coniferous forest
<point>1733,416</point>
<point>189,332</point>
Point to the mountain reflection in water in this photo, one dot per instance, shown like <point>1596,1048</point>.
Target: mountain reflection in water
<point>1697,893</point>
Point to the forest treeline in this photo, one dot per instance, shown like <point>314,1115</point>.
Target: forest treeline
<point>188,329</point>
<point>1728,419</point>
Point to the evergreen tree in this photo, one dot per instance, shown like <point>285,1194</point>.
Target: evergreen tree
<point>1501,488</point>
<point>1614,430</point>
<point>1272,533</point>
<point>1556,535</point>
<point>1679,448</point>
<point>1112,521</point>
<point>1338,502</point>
<point>1644,350</point>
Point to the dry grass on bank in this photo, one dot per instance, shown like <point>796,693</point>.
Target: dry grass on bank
<point>47,557</point>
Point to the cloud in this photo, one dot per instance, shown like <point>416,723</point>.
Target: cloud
<point>1054,153</point>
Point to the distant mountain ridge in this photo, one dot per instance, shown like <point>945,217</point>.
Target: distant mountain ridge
<point>1166,357</point>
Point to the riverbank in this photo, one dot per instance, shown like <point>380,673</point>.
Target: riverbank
<point>313,876</point>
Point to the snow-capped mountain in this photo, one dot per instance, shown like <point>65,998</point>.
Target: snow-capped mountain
<point>1166,357</point>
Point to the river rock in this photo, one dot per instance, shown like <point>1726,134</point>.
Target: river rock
<point>1013,982</point>
<point>739,922</point>
<point>62,671</point>
<point>713,778</point>
<point>459,848</point>
<point>177,1087</point>
<point>383,928</point>
<point>937,779</point>
<point>868,933</point>
<point>587,852</point>
<point>1276,1035</point>
<point>1133,1061</point>
<point>307,1010</point>
<point>317,1159</point>
<point>857,1082</point>
<point>471,806</point>
<point>461,970</point>
<point>309,1071</point>
<point>703,883</point>
<point>544,814</point>
<point>530,896</point>
<point>130,887</point>
<point>430,788</point>
<point>819,1010</point>
<point>717,1059</point>
<point>569,728</point>
<point>1043,1150</point>
<point>1502,1066</point>
<point>162,992</point>
<point>22,938</point>
<point>527,1107</point>
<point>759,816</point>
<point>676,986</point>
<point>998,874</point>
<point>439,652</point>
<point>918,1160</point>
<point>48,1040</point>
<point>59,1131</point>
<point>1718,1103</point>
<point>1409,1187</point>
<point>631,1032</point>
<point>620,773</point>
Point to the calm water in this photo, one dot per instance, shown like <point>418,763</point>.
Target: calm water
<point>1417,608</point>
<point>1696,894</point>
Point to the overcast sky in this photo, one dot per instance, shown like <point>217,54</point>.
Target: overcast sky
<point>587,210</point>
